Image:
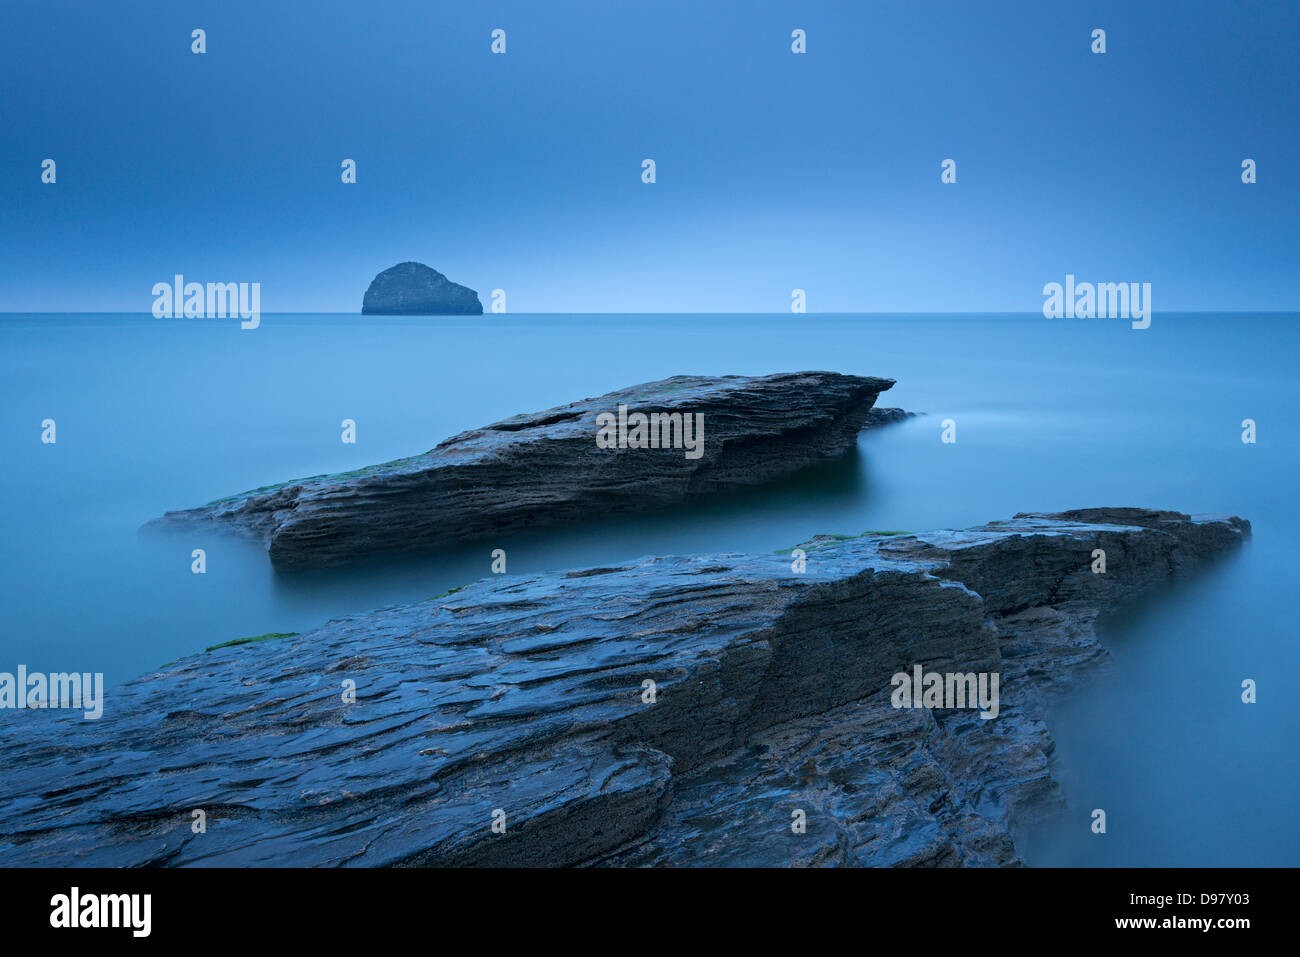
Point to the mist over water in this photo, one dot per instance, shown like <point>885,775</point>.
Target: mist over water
<point>161,414</point>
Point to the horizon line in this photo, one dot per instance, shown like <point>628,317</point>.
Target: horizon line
<point>432,315</point>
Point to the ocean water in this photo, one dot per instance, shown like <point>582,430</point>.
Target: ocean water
<point>154,414</point>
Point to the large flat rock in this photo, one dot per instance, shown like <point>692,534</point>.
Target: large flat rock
<point>526,694</point>
<point>546,468</point>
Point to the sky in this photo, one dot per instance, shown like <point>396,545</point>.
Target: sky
<point>522,171</point>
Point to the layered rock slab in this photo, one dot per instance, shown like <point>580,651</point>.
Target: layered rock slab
<point>528,696</point>
<point>547,469</point>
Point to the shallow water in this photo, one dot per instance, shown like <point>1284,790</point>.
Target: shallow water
<point>160,414</point>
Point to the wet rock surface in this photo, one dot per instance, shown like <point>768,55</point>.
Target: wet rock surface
<point>546,469</point>
<point>878,417</point>
<point>527,695</point>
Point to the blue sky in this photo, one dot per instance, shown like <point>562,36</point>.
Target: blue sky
<point>775,171</point>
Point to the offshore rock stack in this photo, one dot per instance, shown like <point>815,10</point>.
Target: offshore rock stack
<point>414,289</point>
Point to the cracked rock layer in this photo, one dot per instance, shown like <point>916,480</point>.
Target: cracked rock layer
<point>546,469</point>
<point>527,694</point>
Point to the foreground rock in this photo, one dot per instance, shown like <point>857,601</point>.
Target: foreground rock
<point>527,695</point>
<point>413,289</point>
<point>546,468</point>
<point>879,417</point>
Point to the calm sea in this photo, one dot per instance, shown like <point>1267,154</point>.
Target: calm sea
<point>160,414</point>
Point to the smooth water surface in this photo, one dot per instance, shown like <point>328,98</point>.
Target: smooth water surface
<point>161,414</point>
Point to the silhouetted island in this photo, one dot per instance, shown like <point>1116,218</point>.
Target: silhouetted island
<point>413,289</point>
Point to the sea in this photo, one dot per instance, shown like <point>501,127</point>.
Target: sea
<point>1047,414</point>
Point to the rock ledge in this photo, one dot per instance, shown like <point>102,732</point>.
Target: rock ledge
<point>529,694</point>
<point>546,469</point>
